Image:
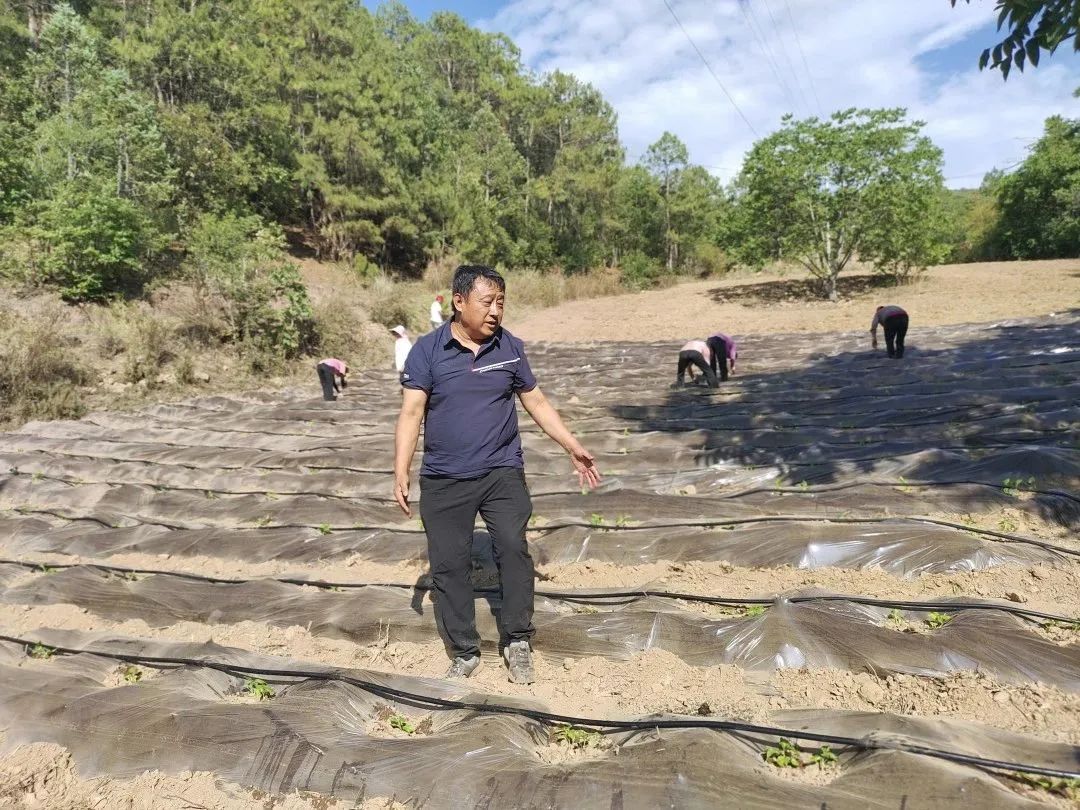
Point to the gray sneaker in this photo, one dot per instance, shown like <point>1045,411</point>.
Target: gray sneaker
<point>519,662</point>
<point>463,667</point>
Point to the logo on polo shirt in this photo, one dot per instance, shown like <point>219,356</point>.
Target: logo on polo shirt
<point>494,366</point>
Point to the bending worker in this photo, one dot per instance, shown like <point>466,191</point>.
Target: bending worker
<point>696,353</point>
<point>330,371</point>
<point>724,351</point>
<point>894,322</point>
<point>461,381</point>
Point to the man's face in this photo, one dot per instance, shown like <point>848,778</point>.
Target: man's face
<point>481,311</point>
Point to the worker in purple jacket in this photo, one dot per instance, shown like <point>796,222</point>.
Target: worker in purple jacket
<point>724,351</point>
<point>894,322</point>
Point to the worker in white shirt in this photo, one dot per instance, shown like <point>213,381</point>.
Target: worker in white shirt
<point>436,313</point>
<point>401,347</point>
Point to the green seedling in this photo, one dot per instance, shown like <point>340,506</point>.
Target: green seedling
<point>1068,788</point>
<point>211,495</point>
<point>259,688</point>
<point>904,486</point>
<point>752,611</point>
<point>401,723</point>
<point>263,521</point>
<point>1014,486</point>
<point>324,528</point>
<point>46,569</point>
<point>40,651</point>
<point>132,674</point>
<point>936,619</point>
<point>824,757</point>
<point>596,519</point>
<point>334,588</point>
<point>585,609</point>
<point>1052,624</point>
<point>1007,525</point>
<point>783,755</point>
<point>576,737</point>
<point>622,521</point>
<point>37,476</point>
<point>895,616</point>
<point>271,496</point>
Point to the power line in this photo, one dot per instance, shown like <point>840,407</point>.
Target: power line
<point>802,53</point>
<point>709,67</point>
<point>763,48</point>
<point>787,57</point>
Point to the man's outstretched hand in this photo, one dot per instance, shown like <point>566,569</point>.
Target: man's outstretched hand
<point>401,493</point>
<point>585,465</point>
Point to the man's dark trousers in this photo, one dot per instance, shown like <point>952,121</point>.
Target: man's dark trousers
<point>326,378</point>
<point>448,507</point>
<point>689,358</point>
<point>895,330</point>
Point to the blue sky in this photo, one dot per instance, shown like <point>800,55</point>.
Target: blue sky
<point>920,55</point>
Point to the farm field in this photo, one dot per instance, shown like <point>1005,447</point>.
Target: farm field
<point>875,561</point>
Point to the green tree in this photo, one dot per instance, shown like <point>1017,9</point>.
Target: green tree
<point>667,159</point>
<point>1054,21</point>
<point>1040,200</point>
<point>861,184</point>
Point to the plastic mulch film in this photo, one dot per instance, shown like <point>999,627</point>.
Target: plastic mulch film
<point>837,635</point>
<point>318,736</point>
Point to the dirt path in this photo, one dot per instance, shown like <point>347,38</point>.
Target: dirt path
<point>770,303</point>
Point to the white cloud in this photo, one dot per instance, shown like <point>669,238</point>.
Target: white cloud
<point>860,55</point>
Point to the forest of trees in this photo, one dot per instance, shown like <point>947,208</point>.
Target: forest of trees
<point>139,138</point>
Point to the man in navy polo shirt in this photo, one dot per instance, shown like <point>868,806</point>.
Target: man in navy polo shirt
<point>461,380</point>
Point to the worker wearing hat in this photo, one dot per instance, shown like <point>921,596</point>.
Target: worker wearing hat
<point>401,346</point>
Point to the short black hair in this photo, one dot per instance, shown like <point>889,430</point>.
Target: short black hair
<point>465,278</point>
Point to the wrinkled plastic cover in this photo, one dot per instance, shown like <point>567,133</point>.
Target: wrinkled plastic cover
<point>314,736</point>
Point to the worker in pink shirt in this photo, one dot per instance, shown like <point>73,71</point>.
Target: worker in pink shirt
<point>697,353</point>
<point>330,371</point>
<point>724,351</point>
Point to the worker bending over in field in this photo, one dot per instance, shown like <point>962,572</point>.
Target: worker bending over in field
<point>894,322</point>
<point>330,371</point>
<point>723,350</point>
<point>696,353</point>
<point>461,380</point>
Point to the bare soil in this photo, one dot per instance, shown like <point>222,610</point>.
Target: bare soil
<point>769,302</point>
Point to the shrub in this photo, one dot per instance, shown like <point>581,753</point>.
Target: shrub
<point>390,304</point>
<point>94,245</point>
<point>241,261</point>
<point>639,270</point>
<point>345,333</point>
<point>39,372</point>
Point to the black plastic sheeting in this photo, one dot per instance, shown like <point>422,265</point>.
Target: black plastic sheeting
<point>314,736</point>
<point>840,635</point>
<point>818,453</point>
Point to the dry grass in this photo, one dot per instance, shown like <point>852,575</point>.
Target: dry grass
<point>40,367</point>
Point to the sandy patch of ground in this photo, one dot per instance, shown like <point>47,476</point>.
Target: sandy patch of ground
<point>43,776</point>
<point>746,304</point>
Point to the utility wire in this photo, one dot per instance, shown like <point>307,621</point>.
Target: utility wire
<point>433,703</point>
<point>787,57</point>
<point>766,53</point>
<point>710,69</point>
<point>802,53</point>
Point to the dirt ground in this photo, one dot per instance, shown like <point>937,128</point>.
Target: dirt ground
<point>655,681</point>
<point>746,304</point>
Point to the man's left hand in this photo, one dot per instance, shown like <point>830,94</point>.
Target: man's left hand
<point>585,465</point>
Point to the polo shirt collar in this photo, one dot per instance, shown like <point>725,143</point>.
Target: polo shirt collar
<point>447,337</point>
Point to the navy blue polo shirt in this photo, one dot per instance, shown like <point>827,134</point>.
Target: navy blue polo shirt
<point>471,424</point>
